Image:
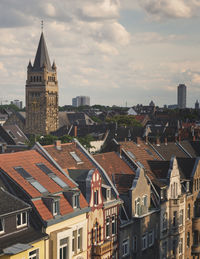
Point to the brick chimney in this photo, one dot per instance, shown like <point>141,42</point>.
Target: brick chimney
<point>146,140</point>
<point>157,141</point>
<point>193,138</point>
<point>165,141</point>
<point>58,145</point>
<point>75,131</point>
<point>138,141</point>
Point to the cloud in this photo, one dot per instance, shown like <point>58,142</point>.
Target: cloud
<point>166,9</point>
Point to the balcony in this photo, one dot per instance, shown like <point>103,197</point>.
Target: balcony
<point>102,249</point>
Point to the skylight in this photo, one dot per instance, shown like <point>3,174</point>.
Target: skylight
<point>131,154</point>
<point>53,176</point>
<point>148,151</point>
<point>30,179</point>
<point>74,155</point>
<point>140,164</point>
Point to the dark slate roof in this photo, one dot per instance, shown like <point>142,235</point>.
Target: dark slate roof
<point>16,134</point>
<point>27,236</point>
<point>78,175</point>
<point>186,166</point>
<point>169,150</point>
<point>189,148</point>
<point>9,203</point>
<point>196,146</point>
<point>159,168</point>
<point>123,182</point>
<point>42,56</point>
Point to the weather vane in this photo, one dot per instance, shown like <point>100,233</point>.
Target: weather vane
<point>42,25</point>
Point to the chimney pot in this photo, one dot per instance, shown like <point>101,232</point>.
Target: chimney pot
<point>58,144</point>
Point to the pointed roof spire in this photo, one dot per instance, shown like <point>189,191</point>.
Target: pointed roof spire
<point>42,56</point>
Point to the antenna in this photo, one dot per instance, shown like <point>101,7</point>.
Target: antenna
<point>42,25</point>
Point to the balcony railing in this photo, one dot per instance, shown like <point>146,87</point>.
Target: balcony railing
<point>102,249</point>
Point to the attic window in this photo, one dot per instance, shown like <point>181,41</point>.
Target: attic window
<point>30,179</point>
<point>55,208</point>
<point>108,193</point>
<point>21,219</point>
<point>74,155</point>
<point>53,176</point>
<point>75,201</point>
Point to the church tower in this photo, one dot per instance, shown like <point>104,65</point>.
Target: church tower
<point>41,93</point>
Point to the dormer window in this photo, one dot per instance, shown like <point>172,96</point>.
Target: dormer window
<point>76,201</point>
<point>55,208</point>
<point>21,219</point>
<point>187,186</point>
<point>108,193</point>
<point>1,226</point>
<point>76,157</point>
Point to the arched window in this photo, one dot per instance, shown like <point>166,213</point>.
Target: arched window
<point>96,233</point>
<point>99,233</point>
<point>137,206</point>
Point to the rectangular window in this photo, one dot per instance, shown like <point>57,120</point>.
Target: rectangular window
<point>181,217</point>
<point>79,237</point>
<point>55,208</point>
<point>113,225</point>
<point>76,201</point>
<point>34,254</point>
<point>135,244</point>
<point>76,158</point>
<point>64,248</point>
<point>74,241</point>
<point>108,194</point>
<point>107,227</point>
<point>144,242</point>
<point>180,247</point>
<point>21,219</point>
<point>174,218</point>
<point>164,249</point>
<point>1,226</point>
<point>125,247</point>
<point>96,200</point>
<point>174,247</point>
<point>151,238</point>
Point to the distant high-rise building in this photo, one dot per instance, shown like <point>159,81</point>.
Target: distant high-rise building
<point>197,105</point>
<point>181,97</point>
<point>80,101</point>
<point>17,103</point>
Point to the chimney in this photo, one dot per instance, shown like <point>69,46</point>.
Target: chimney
<point>75,131</point>
<point>138,141</point>
<point>58,144</point>
<point>165,141</point>
<point>157,141</point>
<point>146,140</point>
<point>194,138</point>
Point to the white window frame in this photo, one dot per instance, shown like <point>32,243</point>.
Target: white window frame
<point>181,217</point>
<point>75,201</point>
<point>137,206</point>
<point>74,236</point>
<point>144,200</point>
<point>55,208</point>
<point>35,255</point>
<point>114,225</point>
<point>125,247</point>
<point>108,193</point>
<point>3,226</point>
<point>107,227</point>
<point>79,236</point>
<point>144,241</point>
<point>63,246</point>
<point>151,238</point>
<point>21,219</point>
<point>180,246</point>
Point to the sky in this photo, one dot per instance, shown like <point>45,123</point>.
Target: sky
<point>118,52</point>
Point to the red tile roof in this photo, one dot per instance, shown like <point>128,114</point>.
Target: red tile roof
<point>65,159</point>
<point>28,161</point>
<point>114,165</point>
